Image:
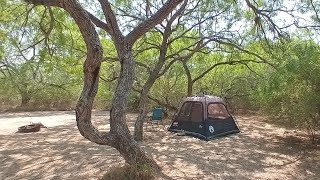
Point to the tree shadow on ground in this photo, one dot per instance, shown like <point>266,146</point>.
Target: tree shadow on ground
<point>256,153</point>
<point>60,152</point>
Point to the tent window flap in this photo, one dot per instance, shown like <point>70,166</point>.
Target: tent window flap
<point>217,110</point>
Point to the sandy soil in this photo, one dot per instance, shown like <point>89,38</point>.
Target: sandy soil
<point>261,151</point>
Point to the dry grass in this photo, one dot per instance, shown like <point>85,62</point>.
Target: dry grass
<point>262,151</point>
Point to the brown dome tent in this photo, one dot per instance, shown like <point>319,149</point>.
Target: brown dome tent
<point>205,117</point>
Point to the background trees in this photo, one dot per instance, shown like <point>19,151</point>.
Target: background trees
<point>253,53</point>
<point>34,62</point>
<point>292,91</point>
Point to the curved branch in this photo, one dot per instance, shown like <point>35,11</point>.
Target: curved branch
<point>243,50</point>
<point>91,69</point>
<point>99,23</point>
<point>155,19</point>
<point>233,62</point>
<point>161,103</point>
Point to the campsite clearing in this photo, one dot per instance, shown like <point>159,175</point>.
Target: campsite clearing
<point>261,151</point>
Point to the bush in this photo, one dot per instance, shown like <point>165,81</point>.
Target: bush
<point>292,92</point>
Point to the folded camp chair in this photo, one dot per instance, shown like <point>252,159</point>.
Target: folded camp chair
<point>156,118</point>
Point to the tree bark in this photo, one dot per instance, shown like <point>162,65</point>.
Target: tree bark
<point>119,136</point>
<point>189,79</point>
<point>144,99</point>
<point>25,98</point>
<point>126,145</point>
<point>143,102</point>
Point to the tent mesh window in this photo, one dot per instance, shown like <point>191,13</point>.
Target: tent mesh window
<point>197,112</point>
<point>185,112</point>
<point>217,110</point>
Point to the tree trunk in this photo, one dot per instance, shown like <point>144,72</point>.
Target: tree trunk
<point>143,102</point>
<point>144,99</point>
<point>190,89</point>
<point>189,79</point>
<point>25,99</point>
<point>119,136</point>
<point>125,143</point>
<point>24,93</point>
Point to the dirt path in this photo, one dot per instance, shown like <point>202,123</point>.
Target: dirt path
<point>60,152</point>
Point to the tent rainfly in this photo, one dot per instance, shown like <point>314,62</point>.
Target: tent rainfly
<point>205,117</point>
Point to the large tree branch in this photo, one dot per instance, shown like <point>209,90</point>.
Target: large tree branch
<point>91,69</point>
<point>189,78</point>
<point>233,62</point>
<point>166,34</point>
<point>259,13</point>
<point>226,42</point>
<point>155,19</point>
<point>178,13</point>
<point>99,23</point>
<point>165,104</point>
<point>57,3</point>
<point>166,68</point>
<point>163,48</point>
<point>175,57</point>
<point>315,10</point>
<point>111,21</point>
<point>193,26</point>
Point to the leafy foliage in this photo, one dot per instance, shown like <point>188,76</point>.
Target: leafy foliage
<point>42,54</point>
<point>292,92</point>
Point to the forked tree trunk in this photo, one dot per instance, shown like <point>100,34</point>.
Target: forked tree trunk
<point>119,136</point>
<point>144,99</point>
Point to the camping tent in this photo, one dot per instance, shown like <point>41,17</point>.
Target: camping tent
<point>206,117</point>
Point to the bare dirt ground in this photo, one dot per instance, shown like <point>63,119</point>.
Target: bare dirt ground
<point>261,151</point>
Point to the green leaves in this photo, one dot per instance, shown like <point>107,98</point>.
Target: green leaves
<point>260,3</point>
<point>293,90</point>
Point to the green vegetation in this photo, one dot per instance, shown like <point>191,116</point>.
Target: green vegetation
<point>248,52</point>
<point>292,92</point>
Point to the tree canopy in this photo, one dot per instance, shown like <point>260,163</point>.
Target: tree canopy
<point>257,54</point>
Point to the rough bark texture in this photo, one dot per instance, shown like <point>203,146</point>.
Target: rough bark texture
<point>143,102</point>
<point>119,136</point>
<point>126,145</point>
